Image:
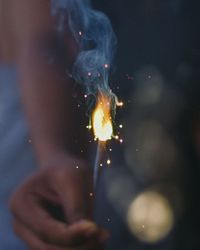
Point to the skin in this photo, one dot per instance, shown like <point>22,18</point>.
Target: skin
<point>29,40</point>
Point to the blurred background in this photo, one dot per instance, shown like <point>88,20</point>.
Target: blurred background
<point>148,195</point>
<point>150,198</point>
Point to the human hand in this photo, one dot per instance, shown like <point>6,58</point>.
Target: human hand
<point>63,187</point>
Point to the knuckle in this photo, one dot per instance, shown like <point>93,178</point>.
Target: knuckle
<point>47,234</point>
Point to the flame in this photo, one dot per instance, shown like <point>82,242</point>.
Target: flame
<point>101,120</point>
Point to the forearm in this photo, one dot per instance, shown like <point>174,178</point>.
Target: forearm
<point>53,116</point>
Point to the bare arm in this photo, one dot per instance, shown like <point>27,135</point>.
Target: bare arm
<point>43,58</point>
<point>55,123</point>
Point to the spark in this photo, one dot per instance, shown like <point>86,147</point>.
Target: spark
<point>108,161</point>
<point>121,126</point>
<point>89,127</point>
<point>120,104</point>
<point>106,66</point>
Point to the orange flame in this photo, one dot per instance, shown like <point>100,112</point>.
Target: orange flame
<point>101,120</point>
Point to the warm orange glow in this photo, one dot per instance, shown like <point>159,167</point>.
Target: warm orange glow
<point>101,120</point>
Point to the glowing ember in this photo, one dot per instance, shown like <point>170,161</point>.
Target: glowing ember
<point>120,104</point>
<point>108,161</point>
<point>89,127</point>
<point>101,120</point>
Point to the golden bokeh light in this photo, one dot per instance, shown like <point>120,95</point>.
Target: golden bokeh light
<point>150,217</point>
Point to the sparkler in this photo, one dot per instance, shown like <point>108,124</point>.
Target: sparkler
<point>102,128</point>
<point>102,125</point>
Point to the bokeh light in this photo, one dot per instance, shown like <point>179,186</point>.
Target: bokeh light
<point>150,217</point>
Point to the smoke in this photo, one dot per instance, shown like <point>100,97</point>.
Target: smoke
<point>94,35</point>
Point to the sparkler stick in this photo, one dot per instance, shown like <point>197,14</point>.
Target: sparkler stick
<point>97,163</point>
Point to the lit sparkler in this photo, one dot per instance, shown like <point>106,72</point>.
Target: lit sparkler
<point>102,125</point>
<point>102,128</point>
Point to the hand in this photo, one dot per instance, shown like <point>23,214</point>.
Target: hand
<point>52,209</point>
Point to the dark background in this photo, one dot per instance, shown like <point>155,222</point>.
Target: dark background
<point>159,37</point>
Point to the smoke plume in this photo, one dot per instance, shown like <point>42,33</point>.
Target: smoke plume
<point>94,35</point>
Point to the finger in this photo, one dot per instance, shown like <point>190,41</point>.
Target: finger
<point>86,234</point>
<point>37,219</point>
<point>32,241</point>
<point>36,243</point>
<point>75,195</point>
<point>94,236</point>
